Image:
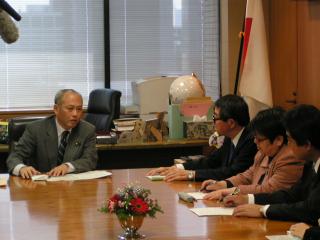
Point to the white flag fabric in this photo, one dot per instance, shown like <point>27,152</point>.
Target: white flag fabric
<point>255,83</point>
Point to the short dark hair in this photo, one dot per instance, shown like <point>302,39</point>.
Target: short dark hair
<point>303,125</point>
<point>59,95</point>
<point>269,123</point>
<point>233,106</point>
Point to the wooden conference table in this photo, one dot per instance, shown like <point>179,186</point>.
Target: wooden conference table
<point>68,210</point>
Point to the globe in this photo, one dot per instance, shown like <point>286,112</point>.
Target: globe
<point>184,87</point>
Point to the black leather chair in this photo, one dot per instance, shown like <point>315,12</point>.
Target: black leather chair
<point>16,128</point>
<point>103,107</point>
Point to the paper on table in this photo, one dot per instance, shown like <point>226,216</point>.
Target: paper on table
<point>212,211</point>
<point>156,177</point>
<point>282,237</point>
<point>4,180</point>
<point>73,176</point>
<point>197,195</point>
<point>81,176</point>
<point>41,177</point>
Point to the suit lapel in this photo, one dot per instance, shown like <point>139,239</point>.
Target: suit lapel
<point>51,142</point>
<point>244,136</point>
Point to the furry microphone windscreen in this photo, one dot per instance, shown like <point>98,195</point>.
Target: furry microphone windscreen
<point>8,30</point>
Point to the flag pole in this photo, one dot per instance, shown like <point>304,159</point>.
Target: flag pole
<point>241,34</point>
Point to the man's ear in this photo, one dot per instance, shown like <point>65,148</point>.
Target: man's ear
<point>279,140</point>
<point>55,108</point>
<point>231,122</point>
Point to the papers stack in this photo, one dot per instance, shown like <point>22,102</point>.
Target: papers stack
<point>212,211</point>
<point>73,176</point>
<point>125,124</point>
<point>156,178</point>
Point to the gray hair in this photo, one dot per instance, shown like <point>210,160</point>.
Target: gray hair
<point>59,95</point>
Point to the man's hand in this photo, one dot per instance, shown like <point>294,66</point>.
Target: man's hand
<point>27,172</point>
<point>299,229</point>
<point>176,174</point>
<point>235,200</point>
<point>248,210</point>
<point>160,171</point>
<point>217,186</point>
<point>219,194</point>
<point>59,170</point>
<point>205,184</point>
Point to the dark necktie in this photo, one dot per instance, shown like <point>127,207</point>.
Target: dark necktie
<point>62,146</point>
<point>231,152</point>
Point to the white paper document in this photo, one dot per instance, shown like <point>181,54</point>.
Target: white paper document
<point>41,177</point>
<point>4,180</point>
<point>197,195</point>
<point>73,176</point>
<point>282,237</point>
<point>212,211</point>
<point>156,178</point>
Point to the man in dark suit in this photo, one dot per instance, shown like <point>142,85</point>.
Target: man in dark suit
<point>231,116</point>
<point>301,202</point>
<point>58,144</point>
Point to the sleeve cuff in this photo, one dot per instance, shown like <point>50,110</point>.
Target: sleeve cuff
<point>180,166</point>
<point>71,167</point>
<point>250,198</point>
<point>16,170</point>
<point>264,210</point>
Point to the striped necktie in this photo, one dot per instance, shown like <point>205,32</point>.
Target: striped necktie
<point>62,146</point>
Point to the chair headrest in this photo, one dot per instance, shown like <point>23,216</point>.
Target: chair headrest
<point>103,100</point>
<point>17,126</point>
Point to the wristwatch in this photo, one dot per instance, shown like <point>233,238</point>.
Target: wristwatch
<point>191,175</point>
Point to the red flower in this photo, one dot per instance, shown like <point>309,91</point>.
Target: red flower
<point>139,206</point>
<point>115,198</point>
<point>112,203</point>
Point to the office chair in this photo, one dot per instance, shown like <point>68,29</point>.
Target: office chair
<point>16,128</point>
<point>103,107</point>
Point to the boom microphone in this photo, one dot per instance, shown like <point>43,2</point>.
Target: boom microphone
<point>8,30</point>
<point>5,6</point>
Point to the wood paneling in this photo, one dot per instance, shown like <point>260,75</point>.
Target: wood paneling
<point>294,47</point>
<point>283,51</point>
<point>308,16</point>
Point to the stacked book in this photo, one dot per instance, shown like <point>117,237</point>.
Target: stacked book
<point>125,124</point>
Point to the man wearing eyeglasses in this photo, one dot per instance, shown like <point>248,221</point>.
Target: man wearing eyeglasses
<point>300,202</point>
<point>58,144</point>
<point>231,116</point>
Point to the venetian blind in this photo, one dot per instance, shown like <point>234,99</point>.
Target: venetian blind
<point>163,37</point>
<point>61,45</point>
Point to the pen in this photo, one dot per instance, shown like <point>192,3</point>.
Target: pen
<point>236,191</point>
<point>208,184</point>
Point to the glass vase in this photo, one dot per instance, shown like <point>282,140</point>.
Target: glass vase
<point>131,225</point>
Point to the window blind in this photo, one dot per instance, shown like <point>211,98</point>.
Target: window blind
<point>163,37</point>
<point>61,45</point>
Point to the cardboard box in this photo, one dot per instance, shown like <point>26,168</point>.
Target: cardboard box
<point>198,130</point>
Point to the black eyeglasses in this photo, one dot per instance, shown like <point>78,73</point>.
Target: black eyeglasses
<point>214,118</point>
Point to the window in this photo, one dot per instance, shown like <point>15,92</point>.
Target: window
<point>61,45</point>
<point>163,37</point>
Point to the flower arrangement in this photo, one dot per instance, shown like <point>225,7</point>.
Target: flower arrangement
<point>131,200</point>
